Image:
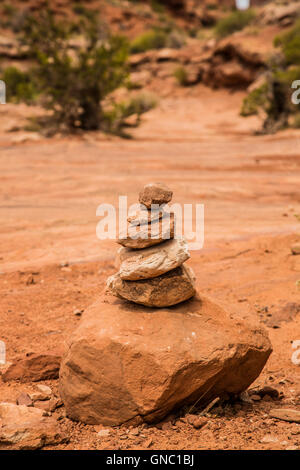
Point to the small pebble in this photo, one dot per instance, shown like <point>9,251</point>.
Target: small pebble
<point>103,433</point>
<point>24,399</point>
<point>255,397</point>
<point>44,389</point>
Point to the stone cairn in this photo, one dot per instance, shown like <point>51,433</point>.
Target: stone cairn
<point>127,364</point>
<point>150,261</point>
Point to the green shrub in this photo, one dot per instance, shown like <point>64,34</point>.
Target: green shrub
<point>80,9</point>
<point>117,115</point>
<point>157,39</point>
<point>290,44</point>
<point>180,74</point>
<point>175,39</point>
<point>154,39</point>
<point>296,121</point>
<point>287,76</point>
<point>235,21</point>
<point>157,6</point>
<point>143,102</point>
<point>75,82</point>
<point>273,97</point>
<point>275,100</point>
<point>256,100</point>
<point>211,6</point>
<point>19,85</point>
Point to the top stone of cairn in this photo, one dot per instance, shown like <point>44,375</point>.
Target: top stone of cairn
<point>155,193</point>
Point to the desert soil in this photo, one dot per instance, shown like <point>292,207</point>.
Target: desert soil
<point>52,264</point>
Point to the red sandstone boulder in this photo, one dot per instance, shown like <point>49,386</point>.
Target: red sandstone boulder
<point>127,363</point>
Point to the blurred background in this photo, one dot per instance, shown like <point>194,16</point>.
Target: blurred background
<point>105,96</point>
<point>100,65</point>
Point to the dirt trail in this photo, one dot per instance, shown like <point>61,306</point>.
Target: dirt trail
<point>198,144</point>
<point>50,189</point>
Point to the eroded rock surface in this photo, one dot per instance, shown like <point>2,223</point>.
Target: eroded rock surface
<point>128,364</point>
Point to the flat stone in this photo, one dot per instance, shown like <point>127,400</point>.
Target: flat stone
<point>128,364</point>
<point>49,405</point>
<point>286,414</point>
<point>143,236</point>
<point>24,399</point>
<point>44,389</point>
<point>153,261</point>
<point>103,433</point>
<point>142,217</point>
<point>39,396</point>
<point>269,439</point>
<point>255,397</point>
<point>168,289</point>
<point>33,368</point>
<point>25,428</point>
<point>155,193</point>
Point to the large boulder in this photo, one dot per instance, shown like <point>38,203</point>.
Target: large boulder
<point>233,74</point>
<point>232,65</point>
<point>127,364</point>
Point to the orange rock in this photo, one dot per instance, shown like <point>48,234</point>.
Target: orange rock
<point>24,399</point>
<point>197,421</point>
<point>165,290</point>
<point>155,193</point>
<point>146,235</point>
<point>127,363</point>
<point>153,261</point>
<point>25,428</point>
<point>34,368</point>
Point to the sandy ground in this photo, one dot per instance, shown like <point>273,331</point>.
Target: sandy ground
<point>207,154</point>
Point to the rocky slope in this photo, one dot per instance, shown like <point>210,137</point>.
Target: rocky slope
<point>234,62</point>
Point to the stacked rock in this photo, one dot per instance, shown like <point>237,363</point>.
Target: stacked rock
<point>151,270</point>
<point>127,364</point>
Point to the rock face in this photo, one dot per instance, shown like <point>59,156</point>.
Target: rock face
<point>230,62</point>
<point>148,234</point>
<point>282,14</point>
<point>24,428</point>
<point>162,291</point>
<point>129,364</point>
<point>153,261</point>
<point>231,65</point>
<point>34,368</point>
<point>155,193</point>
